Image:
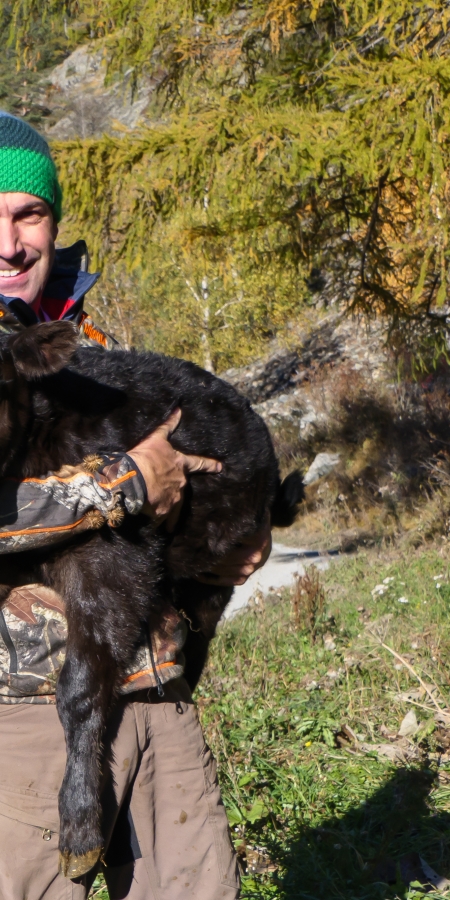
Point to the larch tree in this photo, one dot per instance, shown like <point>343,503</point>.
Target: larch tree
<point>293,147</point>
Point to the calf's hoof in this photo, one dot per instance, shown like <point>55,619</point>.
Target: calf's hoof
<point>72,866</point>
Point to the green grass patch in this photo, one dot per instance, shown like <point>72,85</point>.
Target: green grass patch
<point>312,815</point>
<point>318,820</point>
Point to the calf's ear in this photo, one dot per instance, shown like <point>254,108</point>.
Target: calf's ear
<point>43,349</point>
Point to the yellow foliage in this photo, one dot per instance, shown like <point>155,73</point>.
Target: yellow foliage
<point>292,136</point>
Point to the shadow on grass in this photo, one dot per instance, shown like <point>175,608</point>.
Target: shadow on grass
<point>373,851</point>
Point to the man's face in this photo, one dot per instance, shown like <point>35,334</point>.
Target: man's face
<point>27,245</point>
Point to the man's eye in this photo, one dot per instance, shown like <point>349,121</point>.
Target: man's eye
<point>31,217</point>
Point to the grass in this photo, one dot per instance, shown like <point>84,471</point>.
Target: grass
<point>312,815</point>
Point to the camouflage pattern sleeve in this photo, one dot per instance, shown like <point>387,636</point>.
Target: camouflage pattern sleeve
<point>43,511</point>
<point>33,638</point>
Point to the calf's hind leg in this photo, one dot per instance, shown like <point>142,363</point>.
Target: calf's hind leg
<point>104,627</point>
<point>83,696</point>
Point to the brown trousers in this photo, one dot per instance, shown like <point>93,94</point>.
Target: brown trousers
<point>165,826</point>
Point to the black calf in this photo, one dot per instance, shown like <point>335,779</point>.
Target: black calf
<point>115,582</point>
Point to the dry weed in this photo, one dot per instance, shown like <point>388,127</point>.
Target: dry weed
<point>308,602</point>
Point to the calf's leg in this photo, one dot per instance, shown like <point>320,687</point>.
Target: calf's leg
<point>83,696</point>
<point>104,626</point>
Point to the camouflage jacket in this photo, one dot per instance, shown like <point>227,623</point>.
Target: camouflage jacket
<point>43,511</point>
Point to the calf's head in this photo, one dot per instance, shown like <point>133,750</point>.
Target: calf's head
<point>26,356</point>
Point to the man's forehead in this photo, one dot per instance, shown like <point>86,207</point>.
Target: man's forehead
<point>15,202</point>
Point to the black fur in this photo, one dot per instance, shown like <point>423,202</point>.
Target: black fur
<point>115,582</point>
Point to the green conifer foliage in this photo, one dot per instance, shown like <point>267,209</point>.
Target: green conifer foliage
<point>288,137</point>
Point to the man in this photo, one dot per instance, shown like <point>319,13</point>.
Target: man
<point>164,824</point>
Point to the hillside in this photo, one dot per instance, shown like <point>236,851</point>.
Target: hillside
<point>343,407</point>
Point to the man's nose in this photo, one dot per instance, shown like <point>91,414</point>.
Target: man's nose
<point>10,243</point>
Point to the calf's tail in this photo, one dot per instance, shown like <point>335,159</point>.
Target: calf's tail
<point>290,494</point>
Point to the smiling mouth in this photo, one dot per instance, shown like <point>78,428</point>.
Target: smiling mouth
<point>10,273</point>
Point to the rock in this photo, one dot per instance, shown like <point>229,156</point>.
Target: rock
<point>351,661</point>
<point>334,674</point>
<point>334,340</point>
<point>323,464</point>
<point>328,642</point>
<point>310,418</point>
<point>298,386</point>
<point>82,66</point>
<point>284,370</point>
<point>84,106</point>
<point>284,406</point>
<point>409,726</point>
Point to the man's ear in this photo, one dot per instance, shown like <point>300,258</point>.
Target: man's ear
<point>43,349</point>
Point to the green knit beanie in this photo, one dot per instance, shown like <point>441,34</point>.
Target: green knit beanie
<point>25,163</point>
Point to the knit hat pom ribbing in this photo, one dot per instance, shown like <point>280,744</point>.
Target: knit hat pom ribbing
<point>26,164</point>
